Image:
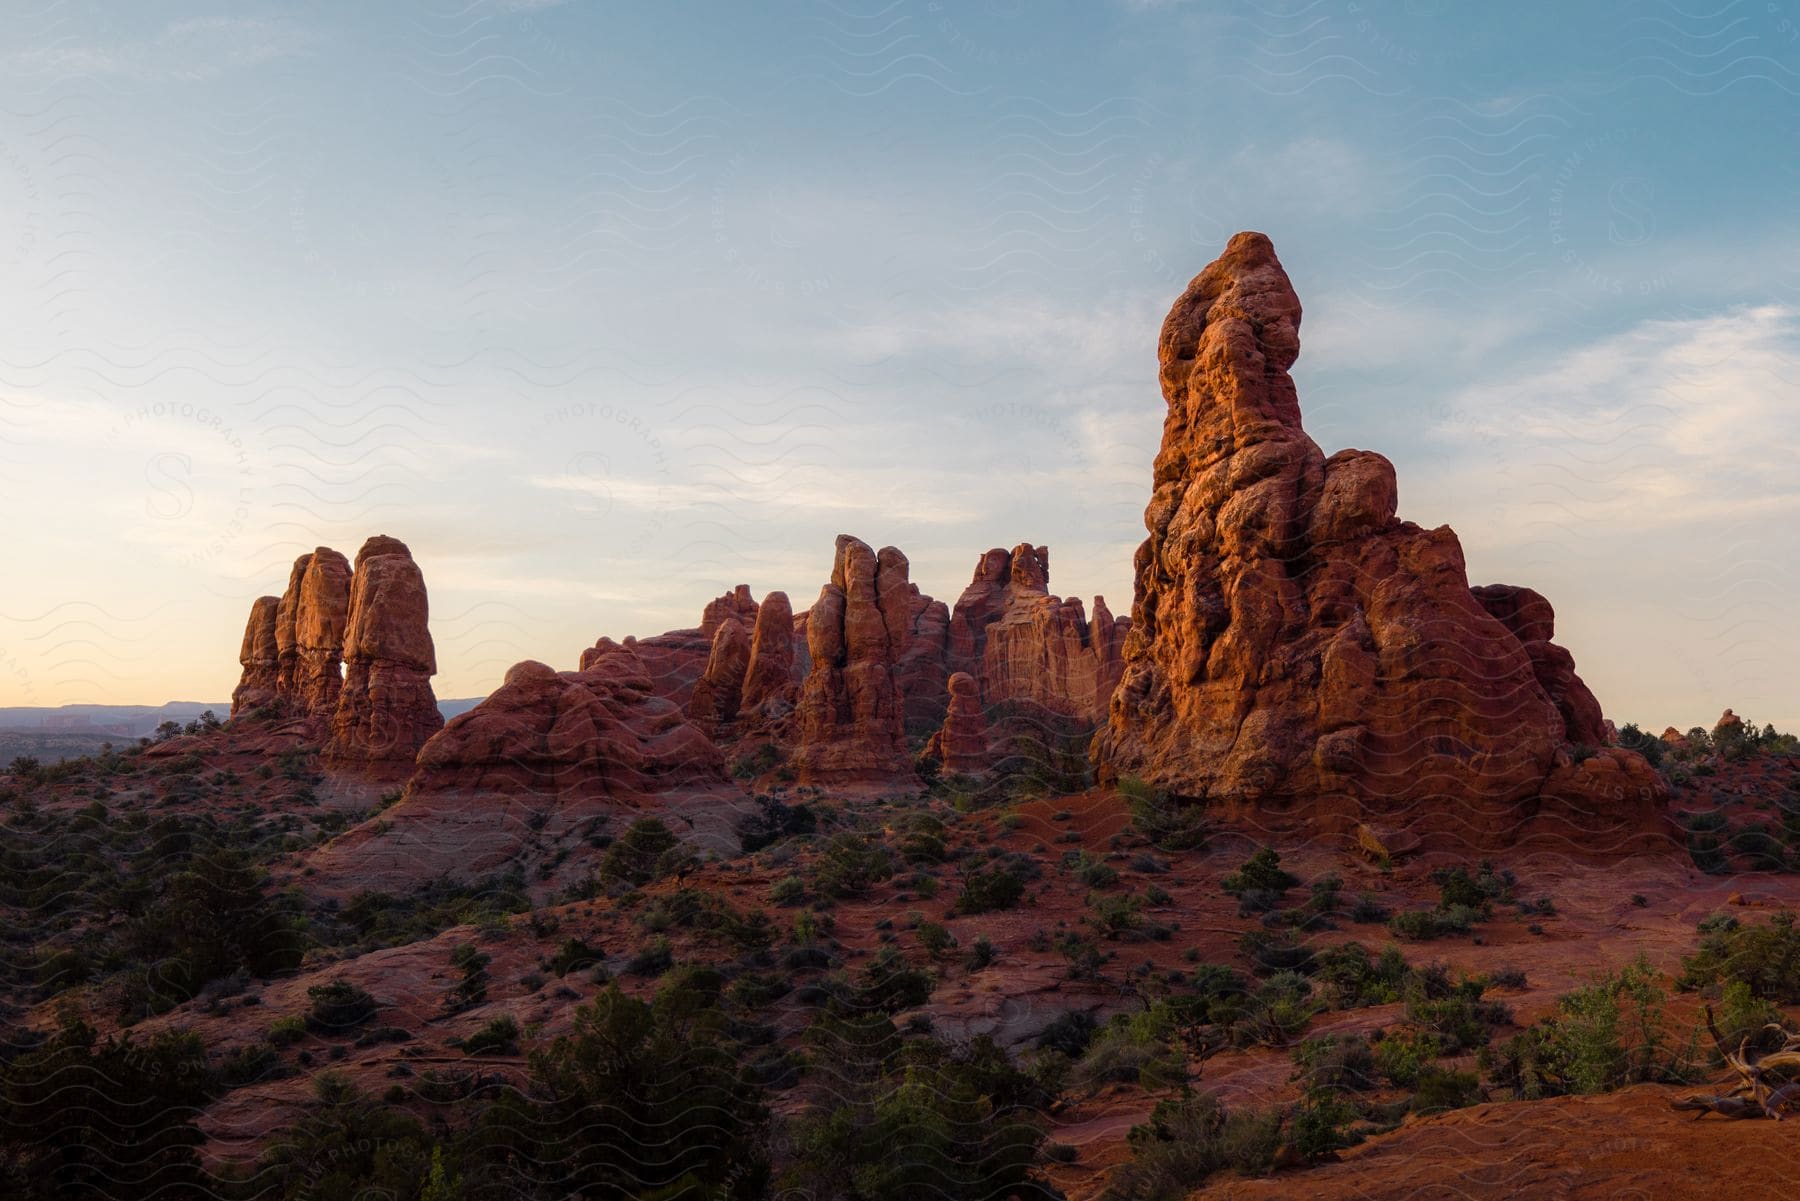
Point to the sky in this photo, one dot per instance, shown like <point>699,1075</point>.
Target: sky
<point>606,307</point>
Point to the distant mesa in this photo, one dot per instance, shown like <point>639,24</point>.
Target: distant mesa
<point>1297,649</point>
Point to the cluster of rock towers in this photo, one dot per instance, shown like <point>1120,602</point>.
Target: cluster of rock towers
<point>1292,643</point>
<point>348,645</point>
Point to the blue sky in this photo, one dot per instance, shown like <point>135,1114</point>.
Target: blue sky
<point>607,307</point>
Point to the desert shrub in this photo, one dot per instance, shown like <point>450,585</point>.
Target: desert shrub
<point>763,758</point>
<point>1069,1032</point>
<point>1440,1090</point>
<point>1604,1035</point>
<point>82,1116</point>
<point>471,985</point>
<point>888,984</point>
<point>1342,1062</point>
<point>1708,853</point>
<point>1277,1013</point>
<point>648,850</point>
<point>1401,1056</point>
<point>981,953</point>
<point>1744,1015</point>
<point>934,937</point>
<point>499,1037</point>
<point>1425,924</point>
<point>1170,825</point>
<point>772,820</point>
<point>1188,1139</point>
<point>338,1006</point>
<point>1319,1124</point>
<point>988,891</point>
<point>928,1120</point>
<point>251,1063</point>
<point>1350,979</point>
<point>641,1098</point>
<point>851,864</point>
<point>1262,872</point>
<point>1766,958</point>
<point>1650,746</point>
<point>1134,1049</point>
<point>1367,910</point>
<point>572,956</point>
<point>1272,951</point>
<point>652,959</point>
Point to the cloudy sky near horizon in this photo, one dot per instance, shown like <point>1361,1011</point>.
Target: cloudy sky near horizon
<point>607,307</point>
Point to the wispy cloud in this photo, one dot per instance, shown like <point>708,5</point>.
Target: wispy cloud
<point>188,51</point>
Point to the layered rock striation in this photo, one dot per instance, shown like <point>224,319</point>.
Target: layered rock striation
<point>1022,643</point>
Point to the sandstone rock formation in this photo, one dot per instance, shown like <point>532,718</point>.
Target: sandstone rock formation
<point>528,777</point>
<point>260,682</point>
<point>347,654</point>
<point>720,689</point>
<point>321,616</point>
<point>1022,643</point>
<point>962,744</point>
<point>387,708</point>
<point>736,604</point>
<point>850,715</point>
<point>769,676</point>
<point>287,644</point>
<point>1295,645</point>
<point>598,732</point>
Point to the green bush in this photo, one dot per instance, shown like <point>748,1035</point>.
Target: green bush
<point>640,1099</point>
<point>1441,1090</point>
<point>1402,1056</point>
<point>851,865</point>
<point>1602,1036</point>
<point>338,1006</point>
<point>1262,872</point>
<point>499,1037</point>
<point>1170,825</point>
<point>989,891</point>
<point>1766,958</point>
<point>647,851</point>
<point>1188,1139</point>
